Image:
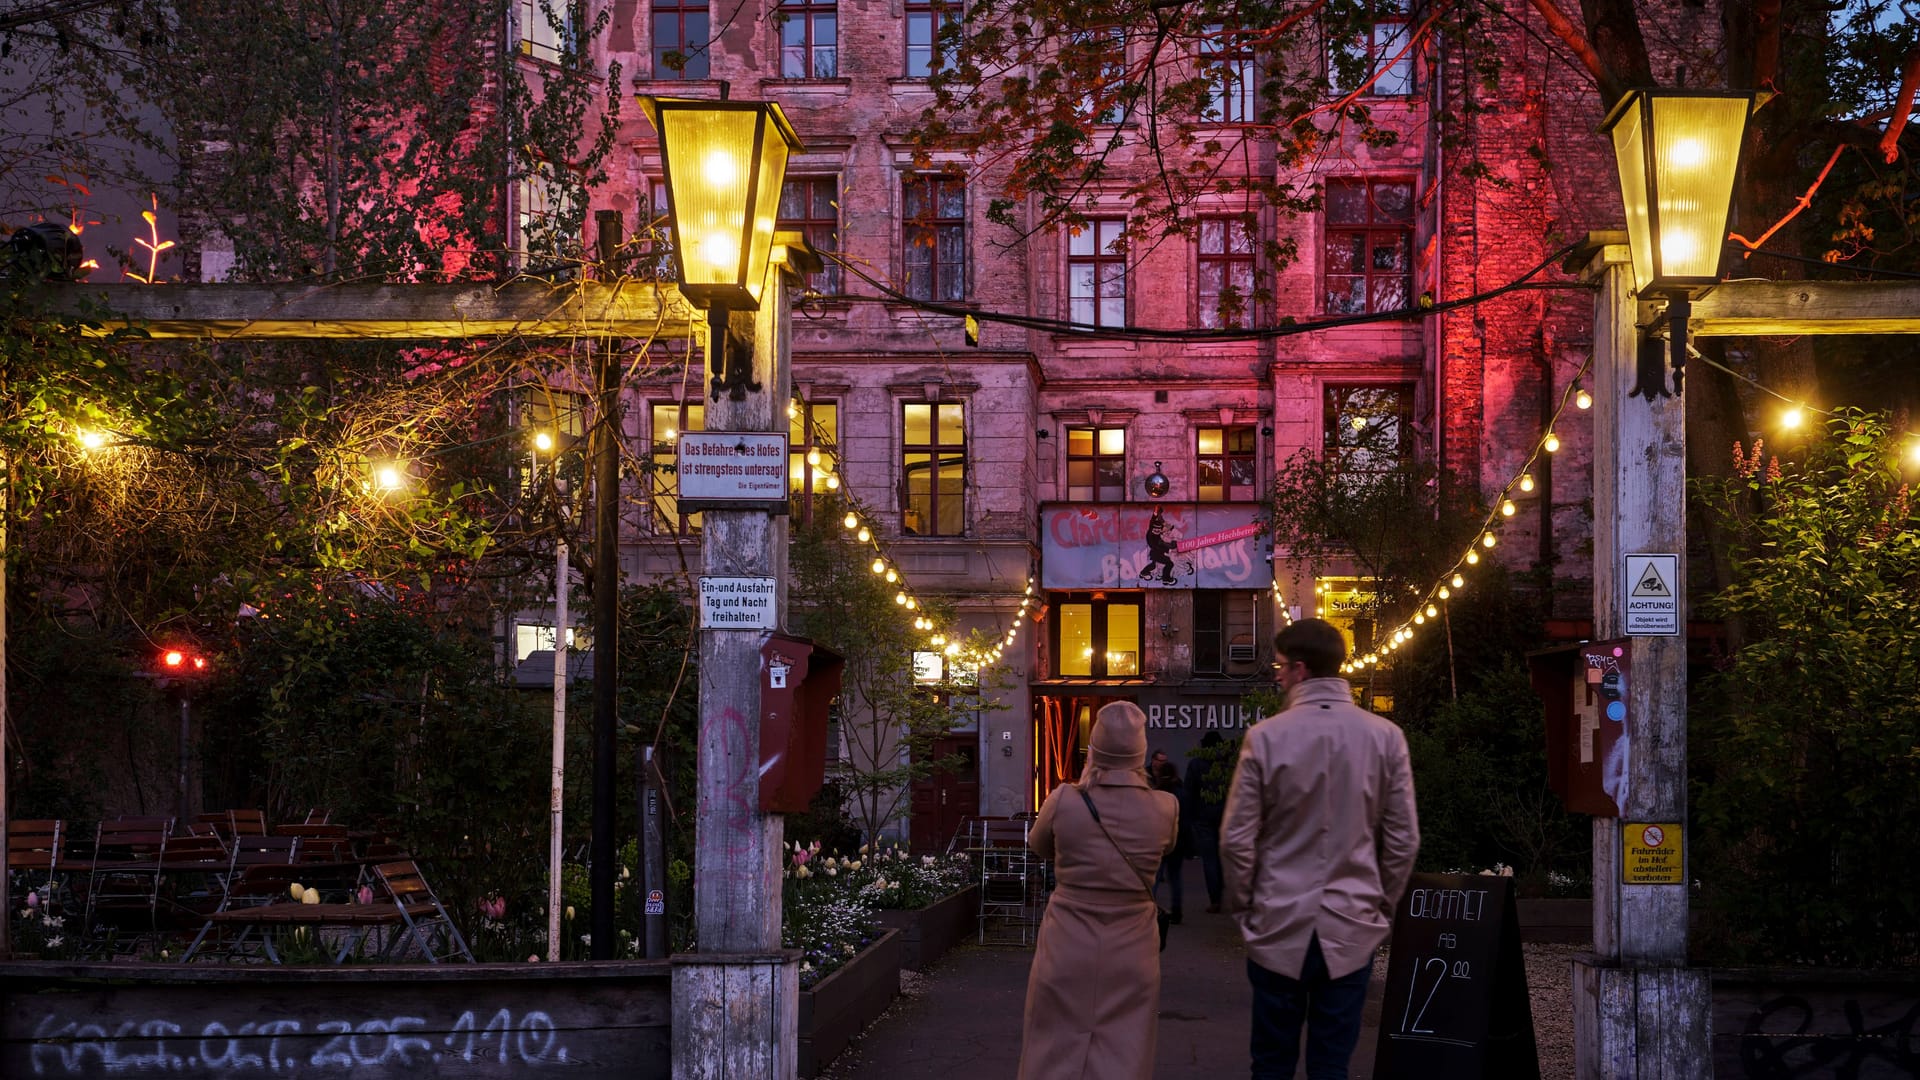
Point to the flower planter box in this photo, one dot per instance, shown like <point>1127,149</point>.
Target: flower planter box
<point>1814,1022</point>
<point>838,1006</point>
<point>927,933</point>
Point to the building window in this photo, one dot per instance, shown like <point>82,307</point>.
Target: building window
<point>669,421</point>
<point>560,414</point>
<point>810,205</point>
<point>809,39</point>
<point>1226,271</point>
<point>1096,464</point>
<point>933,469</point>
<point>546,203</point>
<point>1108,49</point>
<point>1096,635</point>
<point>935,237</point>
<point>1369,265</point>
<point>530,638</point>
<point>1229,68</point>
<point>1369,427</point>
<point>1376,59</point>
<point>1224,463</point>
<point>546,28</point>
<point>927,22</point>
<point>1097,273</point>
<point>679,39</point>
<point>655,259</point>
<point>1225,631</point>
<point>813,440</point>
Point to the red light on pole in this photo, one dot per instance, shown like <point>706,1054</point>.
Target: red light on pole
<point>174,658</point>
<point>199,663</point>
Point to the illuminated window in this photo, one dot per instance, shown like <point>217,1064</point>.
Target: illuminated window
<point>1351,605</point>
<point>928,21</point>
<point>559,414</point>
<point>669,422</point>
<point>810,206</point>
<point>1369,265</point>
<point>1230,68</point>
<point>809,39</point>
<point>546,27</point>
<point>1096,464</point>
<point>530,638</point>
<point>1096,635</point>
<point>1097,273</point>
<point>933,469</point>
<point>1224,463</point>
<point>935,238</point>
<point>813,439</point>
<point>1226,271</point>
<point>929,668</point>
<point>1383,49</point>
<point>1369,427</point>
<point>680,39</point>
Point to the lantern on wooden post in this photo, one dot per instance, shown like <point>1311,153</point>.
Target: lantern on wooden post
<point>725,162</point>
<point>1678,152</point>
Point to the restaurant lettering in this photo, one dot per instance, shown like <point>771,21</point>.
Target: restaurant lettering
<point>1200,716</point>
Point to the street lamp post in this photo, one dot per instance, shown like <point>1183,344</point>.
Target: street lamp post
<point>1639,1010</point>
<point>736,1001</point>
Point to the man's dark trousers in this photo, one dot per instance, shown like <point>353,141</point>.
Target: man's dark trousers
<point>1331,1009</point>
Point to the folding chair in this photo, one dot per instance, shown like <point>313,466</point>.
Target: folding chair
<point>123,888</point>
<point>420,910</point>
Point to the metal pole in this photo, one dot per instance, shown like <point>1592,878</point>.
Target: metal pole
<point>606,609</point>
<point>186,737</point>
<point>653,862</point>
<point>6,893</point>
<point>555,796</point>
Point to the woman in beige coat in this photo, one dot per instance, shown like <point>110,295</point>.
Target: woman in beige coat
<point>1093,996</point>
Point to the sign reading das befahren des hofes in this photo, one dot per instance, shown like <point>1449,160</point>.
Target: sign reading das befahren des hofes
<point>731,466</point>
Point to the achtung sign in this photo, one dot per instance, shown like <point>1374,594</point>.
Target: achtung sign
<point>1652,595</point>
<point>1650,854</point>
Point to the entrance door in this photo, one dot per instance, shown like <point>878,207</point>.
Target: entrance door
<point>948,796</point>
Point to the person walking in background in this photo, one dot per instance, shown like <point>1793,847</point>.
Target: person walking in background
<point>1165,777</point>
<point>1200,813</point>
<point>1317,845</point>
<point>1093,994</point>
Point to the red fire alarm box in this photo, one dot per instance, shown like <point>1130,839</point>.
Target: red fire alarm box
<point>1584,691</point>
<point>798,682</point>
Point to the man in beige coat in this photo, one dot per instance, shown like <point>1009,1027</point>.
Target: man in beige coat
<point>1317,845</point>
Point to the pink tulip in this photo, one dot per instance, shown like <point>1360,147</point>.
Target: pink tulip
<point>33,899</point>
<point>365,895</point>
<point>494,908</point>
<point>800,857</point>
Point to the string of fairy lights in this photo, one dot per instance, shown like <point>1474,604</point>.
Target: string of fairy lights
<point>857,525</point>
<point>1503,508</point>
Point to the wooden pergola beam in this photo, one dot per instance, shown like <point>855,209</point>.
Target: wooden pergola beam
<point>410,312</point>
<point>1783,308</point>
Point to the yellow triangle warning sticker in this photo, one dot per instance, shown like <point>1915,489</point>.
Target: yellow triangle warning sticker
<point>1651,583</point>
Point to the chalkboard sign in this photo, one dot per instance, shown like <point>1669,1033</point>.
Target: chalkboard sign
<point>1456,1003</point>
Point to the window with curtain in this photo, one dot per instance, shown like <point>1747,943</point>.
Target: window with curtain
<point>935,237</point>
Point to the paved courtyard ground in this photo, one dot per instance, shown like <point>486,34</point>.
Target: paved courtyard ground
<point>961,1018</point>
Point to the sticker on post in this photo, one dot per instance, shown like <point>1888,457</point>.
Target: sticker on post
<point>1650,854</point>
<point>1651,606</point>
<point>656,904</point>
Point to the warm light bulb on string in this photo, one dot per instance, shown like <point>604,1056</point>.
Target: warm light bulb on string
<point>813,457</point>
<point>912,604</point>
<point>953,648</point>
<point>852,521</point>
<point>1792,418</point>
<point>833,483</point>
<point>1419,617</point>
<point>1582,400</point>
<point>939,639</point>
<point>1433,612</point>
<point>1914,451</point>
<point>1551,444</point>
<point>892,575</point>
<point>864,534</point>
<point>1526,481</point>
<point>1459,582</point>
<point>1487,540</point>
<point>1472,557</point>
<point>879,566</point>
<point>1507,508</point>
<point>1444,592</point>
<point>900,598</point>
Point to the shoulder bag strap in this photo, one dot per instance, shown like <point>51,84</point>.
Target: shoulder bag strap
<point>1088,799</point>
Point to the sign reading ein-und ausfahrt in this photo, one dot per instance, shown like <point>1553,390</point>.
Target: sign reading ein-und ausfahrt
<point>731,469</point>
<point>1652,595</point>
<point>738,603</point>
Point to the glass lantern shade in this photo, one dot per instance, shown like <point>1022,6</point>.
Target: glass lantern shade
<point>1678,152</point>
<point>724,164</point>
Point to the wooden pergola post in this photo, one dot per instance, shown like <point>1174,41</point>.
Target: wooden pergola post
<point>1638,1010</point>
